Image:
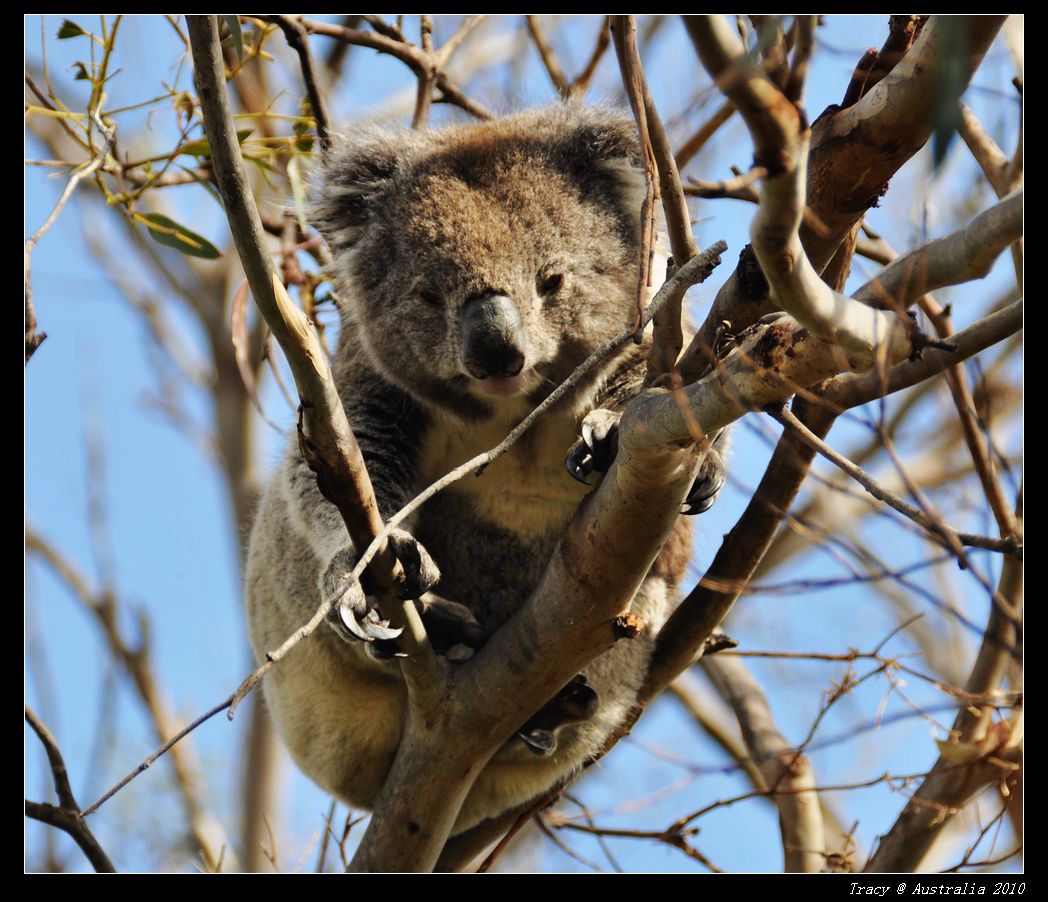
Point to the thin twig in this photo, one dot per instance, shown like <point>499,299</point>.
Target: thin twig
<point>549,58</point>
<point>298,39</point>
<point>943,533</point>
<point>33,338</point>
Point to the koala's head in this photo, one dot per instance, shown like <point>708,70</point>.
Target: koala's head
<point>486,261</point>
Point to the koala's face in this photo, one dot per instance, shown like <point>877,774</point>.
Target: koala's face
<point>487,262</point>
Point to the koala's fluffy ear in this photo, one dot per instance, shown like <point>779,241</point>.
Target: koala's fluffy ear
<point>605,154</point>
<point>351,184</point>
<point>607,136</point>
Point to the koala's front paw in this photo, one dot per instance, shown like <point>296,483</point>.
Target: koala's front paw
<point>595,451</point>
<point>576,701</point>
<point>354,615</point>
<point>597,448</point>
<point>707,484</point>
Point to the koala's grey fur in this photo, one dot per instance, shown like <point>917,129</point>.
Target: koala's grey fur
<point>420,223</point>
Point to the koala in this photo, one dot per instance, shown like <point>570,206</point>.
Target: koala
<point>477,266</point>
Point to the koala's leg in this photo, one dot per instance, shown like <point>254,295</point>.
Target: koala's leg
<point>575,702</point>
<point>453,630</point>
<point>516,774</point>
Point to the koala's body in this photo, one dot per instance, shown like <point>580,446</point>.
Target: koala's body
<point>477,266</point>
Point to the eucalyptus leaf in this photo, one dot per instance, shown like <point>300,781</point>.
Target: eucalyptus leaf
<point>233,23</point>
<point>169,233</point>
<point>69,29</point>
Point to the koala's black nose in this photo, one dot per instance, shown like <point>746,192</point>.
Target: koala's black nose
<point>493,339</point>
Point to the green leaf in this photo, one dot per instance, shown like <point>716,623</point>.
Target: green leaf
<point>69,30</point>
<point>169,233</point>
<point>950,82</point>
<point>233,23</point>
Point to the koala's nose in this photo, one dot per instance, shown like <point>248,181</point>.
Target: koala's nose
<point>493,339</point>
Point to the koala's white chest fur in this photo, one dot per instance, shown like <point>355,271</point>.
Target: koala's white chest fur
<point>526,491</point>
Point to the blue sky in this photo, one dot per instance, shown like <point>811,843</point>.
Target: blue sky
<point>172,551</point>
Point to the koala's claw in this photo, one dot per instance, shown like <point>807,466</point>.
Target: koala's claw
<point>540,741</point>
<point>595,451</point>
<point>420,572</point>
<point>353,615</point>
<point>707,485</point>
<point>576,701</point>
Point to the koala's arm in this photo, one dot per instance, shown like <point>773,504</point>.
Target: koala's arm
<point>388,427</point>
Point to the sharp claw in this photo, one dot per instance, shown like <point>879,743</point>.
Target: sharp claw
<point>377,628</point>
<point>541,742</point>
<point>702,495</point>
<point>691,508</point>
<point>369,628</point>
<point>349,620</point>
<point>579,469</point>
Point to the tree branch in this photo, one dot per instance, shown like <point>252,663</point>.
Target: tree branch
<point>800,814</point>
<point>67,816</point>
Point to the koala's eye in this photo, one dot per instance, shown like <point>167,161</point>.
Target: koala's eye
<point>551,284</point>
<point>431,297</point>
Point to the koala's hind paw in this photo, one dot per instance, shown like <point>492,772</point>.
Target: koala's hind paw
<point>576,701</point>
<point>451,626</point>
<point>707,485</point>
<point>354,615</point>
<point>595,451</point>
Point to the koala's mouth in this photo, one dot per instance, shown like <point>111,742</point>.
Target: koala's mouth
<point>507,386</point>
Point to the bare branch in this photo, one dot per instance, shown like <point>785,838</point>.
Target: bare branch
<point>800,815</point>
<point>206,831</point>
<point>326,431</point>
<point>939,530</point>
<point>669,337</point>
<point>549,58</point>
<point>978,752</point>
<point>961,256</point>
<point>67,816</point>
<point>298,40</point>
<point>33,338</point>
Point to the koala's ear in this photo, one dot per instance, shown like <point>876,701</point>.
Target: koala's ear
<point>608,138</point>
<point>351,185</point>
<point>604,148</point>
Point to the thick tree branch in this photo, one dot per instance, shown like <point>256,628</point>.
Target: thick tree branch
<point>854,153</point>
<point>743,548</point>
<point>961,256</point>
